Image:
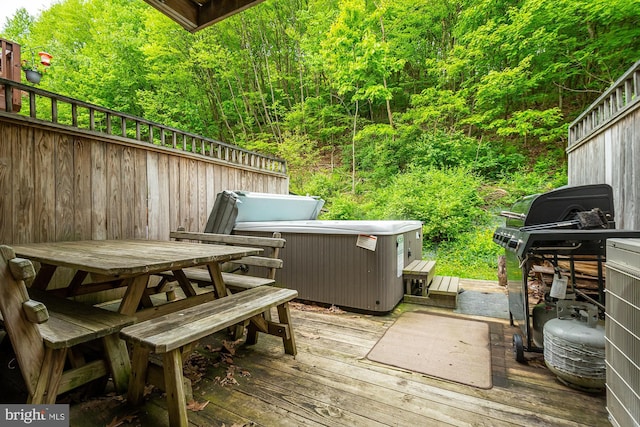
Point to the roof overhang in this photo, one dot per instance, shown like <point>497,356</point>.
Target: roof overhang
<point>195,15</point>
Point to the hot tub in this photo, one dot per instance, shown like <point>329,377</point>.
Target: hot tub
<point>351,264</point>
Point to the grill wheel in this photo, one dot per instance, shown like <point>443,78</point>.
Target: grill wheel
<point>518,348</point>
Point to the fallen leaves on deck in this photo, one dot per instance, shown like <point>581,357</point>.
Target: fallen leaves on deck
<point>226,353</point>
<point>229,378</point>
<point>120,421</point>
<point>315,308</point>
<point>195,367</point>
<point>308,335</point>
<point>197,406</point>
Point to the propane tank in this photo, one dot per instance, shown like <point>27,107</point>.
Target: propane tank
<point>541,314</point>
<point>574,346</point>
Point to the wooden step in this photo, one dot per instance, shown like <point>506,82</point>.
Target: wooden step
<point>417,276</point>
<point>442,292</point>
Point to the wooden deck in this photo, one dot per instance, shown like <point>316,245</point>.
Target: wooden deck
<point>332,383</point>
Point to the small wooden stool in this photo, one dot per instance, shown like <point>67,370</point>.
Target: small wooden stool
<point>420,271</point>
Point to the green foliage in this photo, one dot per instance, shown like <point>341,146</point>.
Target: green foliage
<point>434,109</point>
<point>473,255</point>
<point>329,185</point>
<point>546,175</point>
<point>345,207</point>
<point>301,155</point>
<point>544,125</point>
<point>446,201</point>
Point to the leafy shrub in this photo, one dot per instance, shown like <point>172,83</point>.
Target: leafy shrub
<point>446,201</point>
<point>302,157</point>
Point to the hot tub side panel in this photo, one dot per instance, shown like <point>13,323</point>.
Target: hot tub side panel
<point>331,269</point>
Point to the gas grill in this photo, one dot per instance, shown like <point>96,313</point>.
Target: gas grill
<point>570,223</point>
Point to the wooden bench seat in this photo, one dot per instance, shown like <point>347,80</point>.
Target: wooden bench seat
<point>172,334</point>
<point>45,335</point>
<point>254,270</point>
<point>235,282</point>
<point>417,276</point>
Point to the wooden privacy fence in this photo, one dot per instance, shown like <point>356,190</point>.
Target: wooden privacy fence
<point>71,171</point>
<point>604,146</point>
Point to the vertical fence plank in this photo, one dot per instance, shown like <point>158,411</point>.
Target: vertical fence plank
<point>64,201</point>
<point>114,191</point>
<point>154,194</point>
<point>24,207</point>
<point>83,189</point>
<point>128,201</point>
<point>7,134</point>
<point>140,205</point>
<point>98,191</point>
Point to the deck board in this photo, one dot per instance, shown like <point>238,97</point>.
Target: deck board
<point>331,383</point>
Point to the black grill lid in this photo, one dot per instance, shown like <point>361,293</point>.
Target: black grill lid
<point>561,204</point>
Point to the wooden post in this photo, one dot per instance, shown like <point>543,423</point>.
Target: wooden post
<point>10,70</point>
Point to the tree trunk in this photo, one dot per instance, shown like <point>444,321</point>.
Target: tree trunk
<point>502,271</point>
<point>353,150</point>
<point>384,79</point>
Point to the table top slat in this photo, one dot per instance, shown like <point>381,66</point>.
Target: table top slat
<point>126,258</point>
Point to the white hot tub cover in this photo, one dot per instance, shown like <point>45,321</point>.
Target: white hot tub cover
<point>276,207</point>
<point>349,227</point>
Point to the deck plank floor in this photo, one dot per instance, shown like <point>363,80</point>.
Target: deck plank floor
<point>332,383</point>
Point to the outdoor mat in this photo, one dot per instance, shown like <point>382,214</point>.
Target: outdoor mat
<point>440,346</point>
<point>487,304</point>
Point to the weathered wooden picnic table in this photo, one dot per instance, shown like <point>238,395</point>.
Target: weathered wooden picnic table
<point>129,263</point>
<point>170,329</point>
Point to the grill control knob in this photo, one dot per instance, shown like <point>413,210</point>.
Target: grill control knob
<point>514,243</point>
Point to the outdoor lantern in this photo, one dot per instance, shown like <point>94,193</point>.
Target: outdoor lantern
<point>45,58</point>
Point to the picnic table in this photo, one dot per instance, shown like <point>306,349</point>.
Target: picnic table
<point>129,263</point>
<point>170,329</point>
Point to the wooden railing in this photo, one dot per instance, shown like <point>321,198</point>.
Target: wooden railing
<point>77,115</point>
<point>619,98</point>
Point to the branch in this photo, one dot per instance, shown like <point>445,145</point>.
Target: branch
<point>576,90</point>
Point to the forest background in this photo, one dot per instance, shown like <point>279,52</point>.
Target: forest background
<point>443,111</point>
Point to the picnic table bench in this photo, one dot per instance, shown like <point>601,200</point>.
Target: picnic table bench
<point>46,335</point>
<point>176,333</point>
<point>257,270</point>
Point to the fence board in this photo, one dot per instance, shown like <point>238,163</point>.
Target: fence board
<point>114,191</point>
<point>164,222</point>
<point>140,189</point>
<point>82,189</point>
<point>128,192</point>
<point>202,196</point>
<point>98,191</point>
<point>24,187</point>
<point>44,185</point>
<point>64,200</point>
<point>6,182</point>
<point>174,190</point>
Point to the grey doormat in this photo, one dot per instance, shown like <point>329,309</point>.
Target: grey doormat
<point>440,346</point>
<point>487,304</point>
